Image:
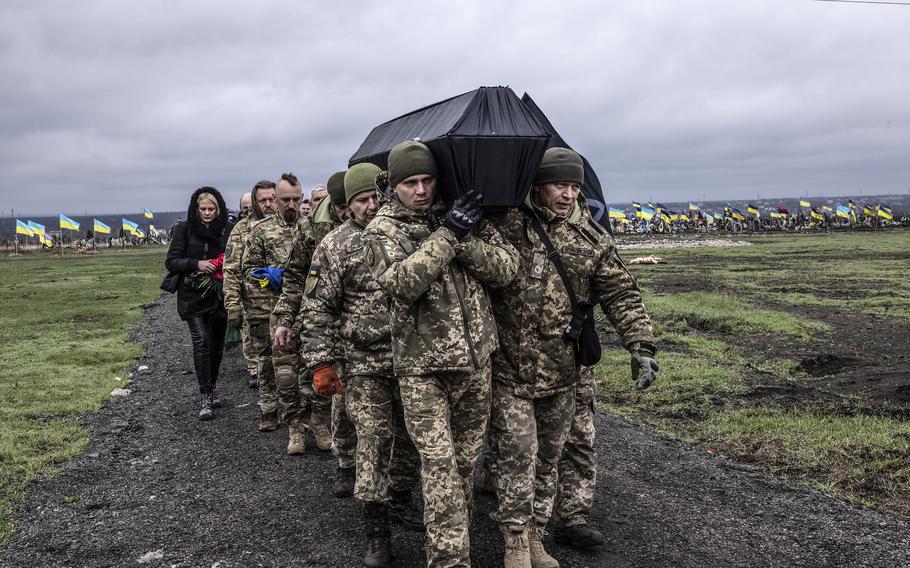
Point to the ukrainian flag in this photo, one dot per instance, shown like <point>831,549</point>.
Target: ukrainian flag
<point>803,203</point>
<point>885,212</point>
<point>67,223</point>
<point>22,228</point>
<point>100,227</point>
<point>37,229</point>
<point>646,213</point>
<point>867,210</point>
<point>826,208</point>
<point>693,207</point>
<point>636,205</point>
<point>616,213</point>
<point>816,215</point>
<point>130,227</point>
<point>736,214</point>
<point>843,211</point>
<point>148,214</point>
<point>753,210</point>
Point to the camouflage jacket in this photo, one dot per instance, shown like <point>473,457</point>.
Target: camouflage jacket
<point>312,230</point>
<point>533,311</point>
<point>439,308</point>
<point>268,245</point>
<point>344,309</point>
<point>233,256</point>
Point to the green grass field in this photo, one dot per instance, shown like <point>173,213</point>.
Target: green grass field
<point>64,326</point>
<point>733,325</point>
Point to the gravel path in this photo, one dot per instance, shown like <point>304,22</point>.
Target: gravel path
<point>220,494</point>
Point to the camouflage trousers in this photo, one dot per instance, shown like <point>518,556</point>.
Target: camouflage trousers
<point>249,354</point>
<point>578,463</point>
<point>526,439</point>
<point>344,435</point>
<point>386,457</point>
<point>295,387</point>
<point>265,372</point>
<point>446,415</point>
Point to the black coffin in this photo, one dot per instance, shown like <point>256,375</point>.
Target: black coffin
<point>486,139</point>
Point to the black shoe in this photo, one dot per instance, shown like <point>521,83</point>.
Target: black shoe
<point>379,536</point>
<point>402,510</point>
<point>216,402</point>
<point>252,382</point>
<point>344,482</point>
<point>205,413</point>
<point>579,536</point>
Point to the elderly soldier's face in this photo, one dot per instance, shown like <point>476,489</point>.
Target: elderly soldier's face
<point>317,196</point>
<point>265,199</point>
<point>246,203</point>
<point>287,200</point>
<point>417,192</point>
<point>363,207</point>
<point>558,197</point>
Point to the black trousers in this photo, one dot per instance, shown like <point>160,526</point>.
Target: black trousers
<point>207,334</point>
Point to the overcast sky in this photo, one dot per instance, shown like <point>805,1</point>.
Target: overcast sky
<point>115,106</point>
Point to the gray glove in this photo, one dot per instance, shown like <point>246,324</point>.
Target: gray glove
<point>464,213</point>
<point>644,370</point>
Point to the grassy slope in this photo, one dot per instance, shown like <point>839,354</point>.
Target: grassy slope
<point>707,353</point>
<point>64,323</point>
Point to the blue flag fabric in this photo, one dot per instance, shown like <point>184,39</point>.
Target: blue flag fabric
<point>268,277</point>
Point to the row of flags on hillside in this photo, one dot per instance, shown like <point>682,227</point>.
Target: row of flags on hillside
<point>32,229</point>
<point>693,212</point>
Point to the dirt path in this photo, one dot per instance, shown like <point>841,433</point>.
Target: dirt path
<point>222,494</point>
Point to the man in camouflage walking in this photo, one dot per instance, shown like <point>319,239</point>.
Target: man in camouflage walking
<point>535,372</point>
<point>264,260</point>
<point>435,265</point>
<point>346,320</point>
<point>287,326</point>
<point>262,200</point>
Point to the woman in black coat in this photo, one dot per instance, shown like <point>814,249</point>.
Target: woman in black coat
<point>197,252</point>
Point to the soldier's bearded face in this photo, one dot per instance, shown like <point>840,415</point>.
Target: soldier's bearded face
<point>246,203</point>
<point>265,199</point>
<point>363,207</point>
<point>288,198</point>
<point>343,211</point>
<point>417,192</point>
<point>558,197</point>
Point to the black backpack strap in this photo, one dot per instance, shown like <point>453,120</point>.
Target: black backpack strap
<point>553,255</point>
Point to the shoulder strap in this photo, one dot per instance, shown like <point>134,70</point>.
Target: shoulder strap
<point>553,255</point>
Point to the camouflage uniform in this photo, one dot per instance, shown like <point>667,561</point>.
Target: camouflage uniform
<point>535,372</point>
<point>346,312</point>
<point>234,290</point>
<point>443,334</point>
<point>578,462</point>
<point>269,245</point>
<point>287,311</point>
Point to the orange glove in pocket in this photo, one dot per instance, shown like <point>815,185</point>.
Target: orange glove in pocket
<point>326,381</point>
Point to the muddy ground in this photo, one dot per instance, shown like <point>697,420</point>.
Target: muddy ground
<point>220,494</point>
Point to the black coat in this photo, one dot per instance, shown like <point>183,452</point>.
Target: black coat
<point>191,242</point>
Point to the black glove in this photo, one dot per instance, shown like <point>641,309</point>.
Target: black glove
<point>464,214</point>
<point>643,364</point>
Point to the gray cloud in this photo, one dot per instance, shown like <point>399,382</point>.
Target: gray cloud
<point>114,106</point>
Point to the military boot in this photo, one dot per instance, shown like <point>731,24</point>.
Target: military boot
<point>402,510</point>
<point>216,402</point>
<point>252,382</point>
<point>579,536</point>
<point>517,555</point>
<point>296,440</point>
<point>321,433</point>
<point>344,482</point>
<point>539,557</point>
<point>268,421</point>
<point>205,413</point>
<point>376,521</point>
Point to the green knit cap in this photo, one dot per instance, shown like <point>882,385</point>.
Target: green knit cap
<point>360,178</point>
<point>560,164</point>
<point>335,185</point>
<point>410,158</point>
